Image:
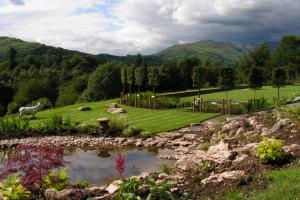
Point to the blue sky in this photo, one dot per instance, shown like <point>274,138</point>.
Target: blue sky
<point>123,27</point>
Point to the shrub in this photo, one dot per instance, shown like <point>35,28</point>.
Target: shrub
<point>204,146</point>
<point>14,126</point>
<point>56,180</point>
<point>131,131</point>
<point>166,169</point>
<point>146,134</point>
<point>118,122</point>
<point>58,124</point>
<point>203,166</point>
<point>12,189</point>
<point>33,164</point>
<point>270,150</point>
<point>256,104</point>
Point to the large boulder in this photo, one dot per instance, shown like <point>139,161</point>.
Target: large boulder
<point>292,149</point>
<point>116,110</point>
<point>114,187</point>
<point>229,175</point>
<point>84,108</point>
<point>112,106</point>
<point>220,153</point>
<point>279,125</point>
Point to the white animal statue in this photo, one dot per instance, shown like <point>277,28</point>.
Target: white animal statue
<point>30,110</point>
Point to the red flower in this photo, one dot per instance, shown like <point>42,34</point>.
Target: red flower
<point>120,164</point>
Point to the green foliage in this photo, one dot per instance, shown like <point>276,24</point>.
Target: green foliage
<point>227,78</point>
<point>14,126</point>
<point>153,77</point>
<point>270,150</point>
<point>279,78</point>
<point>82,185</point>
<point>198,77</point>
<point>130,190</point>
<point>167,170</point>
<point>204,146</point>
<point>257,104</point>
<point>139,76</point>
<point>131,131</point>
<point>12,189</point>
<point>197,178</point>
<point>203,166</point>
<point>104,83</point>
<point>130,77</point>
<point>255,78</point>
<point>56,180</point>
<point>118,122</point>
<point>57,124</point>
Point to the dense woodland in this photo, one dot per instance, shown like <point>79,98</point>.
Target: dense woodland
<point>57,77</point>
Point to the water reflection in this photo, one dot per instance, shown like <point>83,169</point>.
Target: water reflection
<point>97,166</point>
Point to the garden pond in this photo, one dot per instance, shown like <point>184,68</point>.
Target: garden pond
<point>98,166</point>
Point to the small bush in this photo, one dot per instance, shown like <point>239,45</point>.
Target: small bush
<point>146,134</point>
<point>270,150</point>
<point>166,169</point>
<point>57,124</point>
<point>12,189</point>
<point>204,146</point>
<point>56,180</point>
<point>131,131</point>
<point>14,126</point>
<point>203,166</point>
<point>118,122</point>
<point>197,178</point>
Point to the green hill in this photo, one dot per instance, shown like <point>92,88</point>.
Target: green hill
<point>221,51</point>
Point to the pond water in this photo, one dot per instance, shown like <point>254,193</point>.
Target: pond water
<point>97,166</point>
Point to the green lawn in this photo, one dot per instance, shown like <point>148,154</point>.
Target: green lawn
<point>150,120</point>
<point>284,185</point>
<point>267,91</point>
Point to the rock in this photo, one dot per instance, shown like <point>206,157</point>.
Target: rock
<point>240,131</point>
<point>279,125</point>
<point>112,106</point>
<point>184,164</point>
<point>170,135</point>
<point>220,153</point>
<point>116,110</point>
<point>190,137</point>
<point>249,148</point>
<point>84,108</point>
<point>102,197</point>
<point>67,194</point>
<point>229,175</point>
<point>163,176</point>
<point>114,186</point>
<point>139,143</point>
<point>292,149</point>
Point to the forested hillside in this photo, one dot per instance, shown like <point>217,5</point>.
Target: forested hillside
<point>58,77</point>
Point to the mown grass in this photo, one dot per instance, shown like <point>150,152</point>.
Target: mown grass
<point>284,185</point>
<point>268,92</point>
<point>149,120</point>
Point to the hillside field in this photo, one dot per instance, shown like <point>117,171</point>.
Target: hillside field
<point>149,120</point>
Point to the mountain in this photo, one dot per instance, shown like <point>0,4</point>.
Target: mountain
<point>221,51</point>
<point>224,52</point>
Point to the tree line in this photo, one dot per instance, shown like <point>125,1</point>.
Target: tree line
<point>63,79</point>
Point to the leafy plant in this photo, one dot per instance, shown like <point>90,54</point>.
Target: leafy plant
<point>14,126</point>
<point>33,164</point>
<point>204,146</point>
<point>131,131</point>
<point>12,189</point>
<point>118,122</point>
<point>270,150</point>
<point>56,180</point>
<point>166,169</point>
<point>203,166</point>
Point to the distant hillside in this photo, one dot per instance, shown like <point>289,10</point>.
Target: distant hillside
<point>221,51</point>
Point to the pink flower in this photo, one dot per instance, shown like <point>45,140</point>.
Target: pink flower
<point>120,164</point>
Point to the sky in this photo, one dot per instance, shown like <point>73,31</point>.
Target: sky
<point>122,27</point>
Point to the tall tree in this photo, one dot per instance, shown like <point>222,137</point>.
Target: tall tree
<point>198,77</point>
<point>124,77</point>
<point>279,79</point>
<point>153,77</point>
<point>255,79</point>
<point>227,79</point>
<point>130,77</point>
<point>186,66</point>
<point>139,77</point>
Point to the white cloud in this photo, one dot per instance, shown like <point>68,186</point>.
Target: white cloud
<point>131,26</point>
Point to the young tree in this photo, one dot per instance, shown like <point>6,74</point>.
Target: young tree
<point>130,77</point>
<point>279,79</point>
<point>153,77</point>
<point>227,76</point>
<point>186,66</point>
<point>255,79</point>
<point>124,77</point>
<point>198,77</point>
<point>139,77</point>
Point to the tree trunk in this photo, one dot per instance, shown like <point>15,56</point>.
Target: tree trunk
<point>199,91</point>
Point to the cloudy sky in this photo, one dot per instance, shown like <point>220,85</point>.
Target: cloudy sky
<point>123,27</point>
